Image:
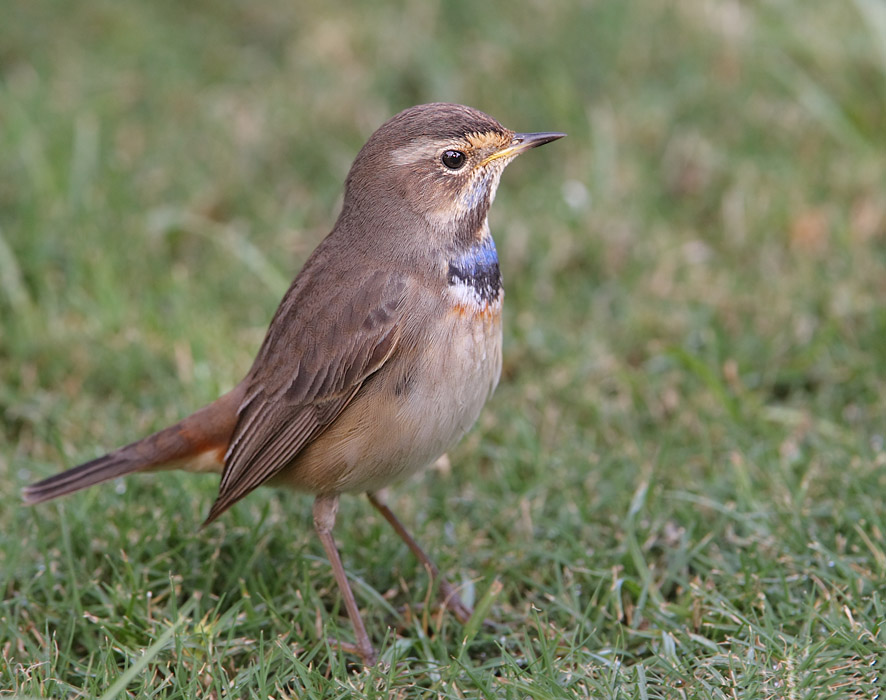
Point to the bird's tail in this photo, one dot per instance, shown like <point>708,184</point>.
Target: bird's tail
<point>197,443</point>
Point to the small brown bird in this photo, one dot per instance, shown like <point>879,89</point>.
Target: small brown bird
<point>382,352</point>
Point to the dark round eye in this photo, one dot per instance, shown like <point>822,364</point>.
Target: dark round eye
<point>453,159</point>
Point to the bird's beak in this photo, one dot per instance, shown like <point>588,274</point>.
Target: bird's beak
<point>523,142</point>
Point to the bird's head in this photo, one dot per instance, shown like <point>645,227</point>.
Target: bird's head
<point>438,162</point>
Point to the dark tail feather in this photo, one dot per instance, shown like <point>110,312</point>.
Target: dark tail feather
<point>206,432</point>
<point>107,467</point>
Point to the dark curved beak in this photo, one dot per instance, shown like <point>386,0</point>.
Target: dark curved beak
<point>523,142</point>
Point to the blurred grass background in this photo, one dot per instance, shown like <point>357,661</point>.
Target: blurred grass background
<point>679,481</point>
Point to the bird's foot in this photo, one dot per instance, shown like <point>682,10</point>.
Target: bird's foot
<point>367,654</point>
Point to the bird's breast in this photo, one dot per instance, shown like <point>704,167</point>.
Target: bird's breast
<point>474,279</point>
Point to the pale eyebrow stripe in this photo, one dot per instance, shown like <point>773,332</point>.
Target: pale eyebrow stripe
<point>409,153</point>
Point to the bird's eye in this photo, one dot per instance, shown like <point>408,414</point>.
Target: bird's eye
<point>454,160</point>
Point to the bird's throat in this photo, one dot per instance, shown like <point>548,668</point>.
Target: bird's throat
<point>474,275</point>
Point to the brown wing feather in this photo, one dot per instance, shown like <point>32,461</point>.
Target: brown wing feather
<point>315,358</point>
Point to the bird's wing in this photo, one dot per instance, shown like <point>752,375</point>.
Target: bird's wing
<point>315,358</point>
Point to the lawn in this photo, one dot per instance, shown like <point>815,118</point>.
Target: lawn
<point>677,490</point>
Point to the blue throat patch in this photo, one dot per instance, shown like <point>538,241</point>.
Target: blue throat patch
<point>478,269</point>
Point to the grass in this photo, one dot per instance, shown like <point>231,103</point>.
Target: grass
<point>676,491</point>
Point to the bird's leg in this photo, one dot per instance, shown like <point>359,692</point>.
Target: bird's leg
<point>325,510</point>
<point>448,593</point>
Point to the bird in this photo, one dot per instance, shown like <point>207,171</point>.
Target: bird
<point>381,353</point>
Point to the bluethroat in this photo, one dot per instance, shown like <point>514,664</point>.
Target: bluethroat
<point>382,352</point>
